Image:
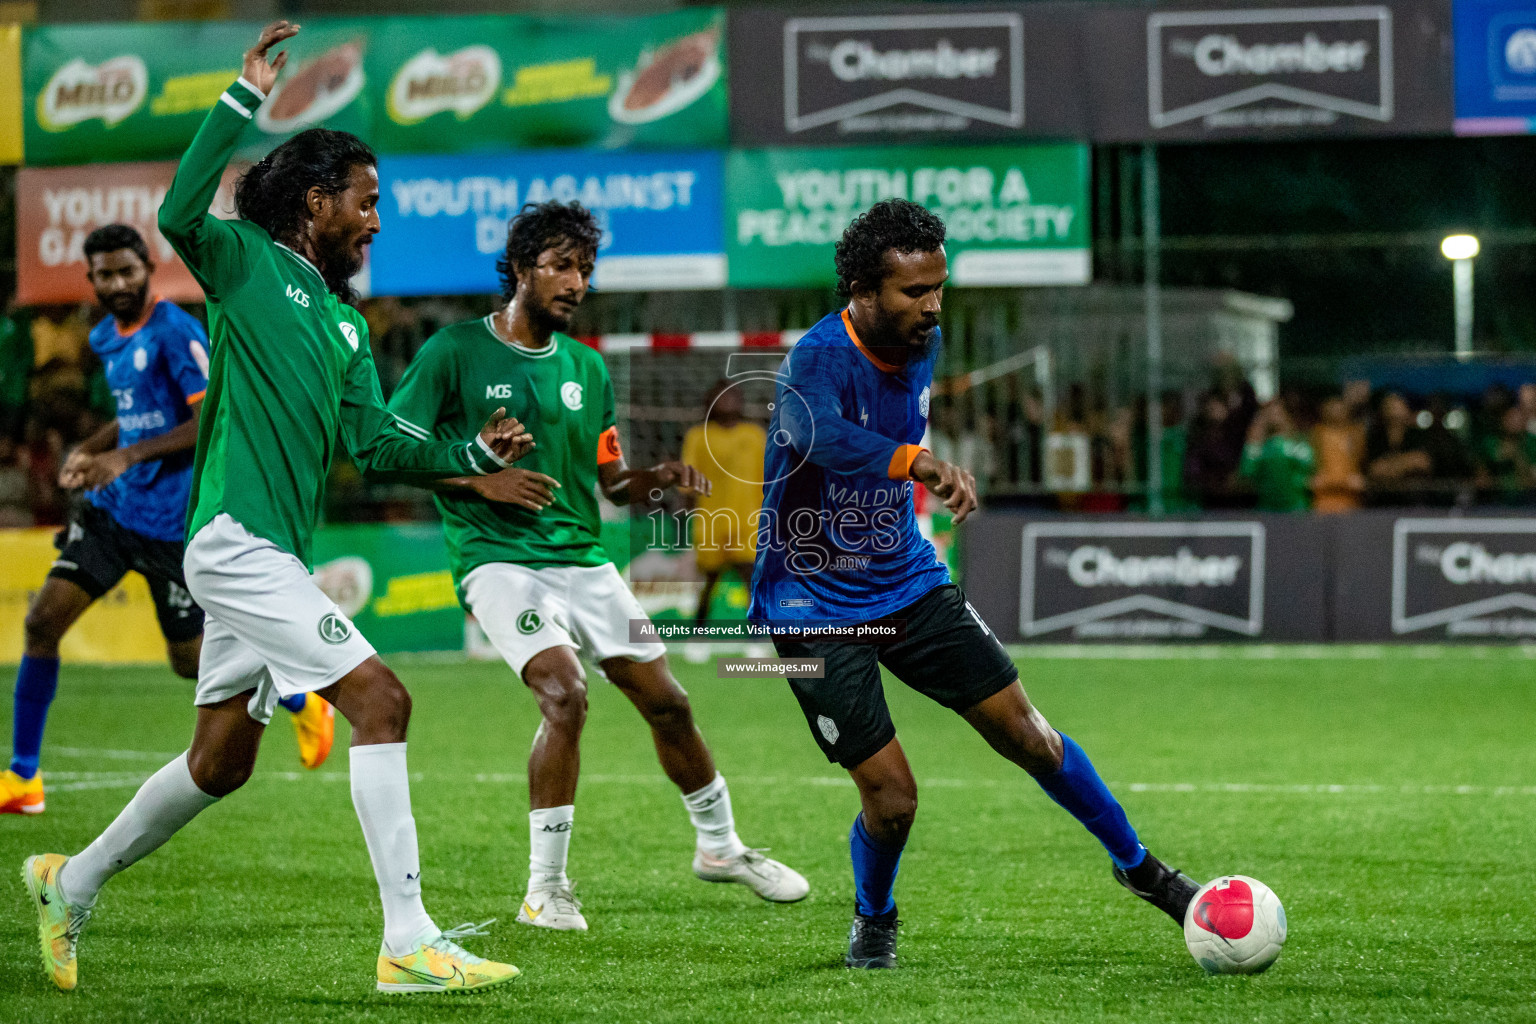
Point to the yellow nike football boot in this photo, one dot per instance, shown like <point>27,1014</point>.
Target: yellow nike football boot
<point>19,795</point>
<point>442,965</point>
<point>315,727</point>
<point>58,923</point>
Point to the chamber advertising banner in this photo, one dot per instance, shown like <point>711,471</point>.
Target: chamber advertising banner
<point>1120,579</point>
<point>1017,215</point>
<point>1201,72</point>
<point>485,83</point>
<point>445,218</point>
<point>109,92</point>
<point>1495,67</point>
<point>56,207</point>
<point>911,73</point>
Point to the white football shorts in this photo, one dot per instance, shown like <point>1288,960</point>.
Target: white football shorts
<point>269,628</point>
<point>524,611</point>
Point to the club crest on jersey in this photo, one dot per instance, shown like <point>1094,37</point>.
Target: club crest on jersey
<point>334,629</point>
<point>570,394</point>
<point>140,359</point>
<point>922,401</point>
<point>529,622</point>
<point>349,332</point>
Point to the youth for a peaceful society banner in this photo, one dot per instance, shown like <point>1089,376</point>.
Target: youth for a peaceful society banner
<point>449,85</point>
<point>56,207</point>
<point>103,93</point>
<point>445,218</point>
<point>1017,215</point>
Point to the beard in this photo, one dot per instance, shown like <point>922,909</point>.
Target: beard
<point>126,305</point>
<point>339,263</point>
<point>546,319</point>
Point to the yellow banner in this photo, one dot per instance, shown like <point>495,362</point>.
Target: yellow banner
<point>10,94</point>
<point>119,629</point>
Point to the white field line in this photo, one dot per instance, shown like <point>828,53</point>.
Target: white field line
<point>73,781</point>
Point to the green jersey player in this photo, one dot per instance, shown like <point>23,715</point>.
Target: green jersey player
<point>290,373</point>
<point>523,546</point>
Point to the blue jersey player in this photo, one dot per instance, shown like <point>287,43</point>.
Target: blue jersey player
<point>137,473</point>
<point>838,545</point>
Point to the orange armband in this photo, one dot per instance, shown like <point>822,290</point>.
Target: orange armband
<point>608,449</point>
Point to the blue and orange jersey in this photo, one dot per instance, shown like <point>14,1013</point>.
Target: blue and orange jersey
<point>157,370</point>
<point>838,538</point>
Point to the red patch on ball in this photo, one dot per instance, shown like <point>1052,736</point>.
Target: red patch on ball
<point>1228,911</point>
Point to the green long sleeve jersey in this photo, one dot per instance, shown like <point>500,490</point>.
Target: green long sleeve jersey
<point>290,369</point>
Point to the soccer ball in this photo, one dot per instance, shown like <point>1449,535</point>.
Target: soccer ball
<point>1235,925</point>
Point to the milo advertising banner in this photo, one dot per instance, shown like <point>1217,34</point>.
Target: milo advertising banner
<point>1017,215</point>
<point>120,92</point>
<point>464,84</point>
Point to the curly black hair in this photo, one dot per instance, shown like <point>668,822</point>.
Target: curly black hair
<point>890,225</point>
<point>541,226</point>
<point>112,237</point>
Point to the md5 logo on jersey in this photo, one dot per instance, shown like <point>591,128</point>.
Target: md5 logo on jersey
<point>1473,577</point>
<point>297,295</point>
<point>1142,580</point>
<point>498,391</point>
<point>1270,68</point>
<point>933,72</point>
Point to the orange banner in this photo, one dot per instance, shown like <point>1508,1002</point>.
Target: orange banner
<point>57,207</point>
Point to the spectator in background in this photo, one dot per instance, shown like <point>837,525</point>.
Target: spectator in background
<point>1399,465</point>
<point>1279,460</point>
<point>728,449</point>
<point>1210,457</point>
<point>1506,468</point>
<point>15,507</point>
<point>1525,398</point>
<point>1339,443</point>
<point>958,439</point>
<point>15,370</point>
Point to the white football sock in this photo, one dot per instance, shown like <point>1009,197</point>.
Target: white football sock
<point>381,793</point>
<point>549,845</point>
<point>710,811</point>
<point>167,801</point>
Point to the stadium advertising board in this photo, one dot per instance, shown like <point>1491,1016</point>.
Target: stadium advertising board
<point>56,207</point>
<point>1017,215</point>
<point>1495,67</point>
<point>1122,579</point>
<point>10,94</point>
<point>393,583</point>
<point>661,214</point>
<point>1125,581</point>
<point>107,92</point>
<point>463,84</point>
<point>1270,70</point>
<point>908,73</point>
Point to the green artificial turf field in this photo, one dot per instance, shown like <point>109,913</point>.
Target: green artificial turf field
<point>1390,801</point>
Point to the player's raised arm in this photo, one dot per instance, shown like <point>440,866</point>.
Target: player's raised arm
<point>384,449</point>
<point>211,248</point>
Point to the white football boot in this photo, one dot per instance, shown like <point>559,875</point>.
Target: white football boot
<point>553,908</point>
<point>775,882</point>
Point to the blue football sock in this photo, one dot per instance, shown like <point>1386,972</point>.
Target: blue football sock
<point>36,681</point>
<point>1078,788</point>
<point>294,703</point>
<point>874,871</point>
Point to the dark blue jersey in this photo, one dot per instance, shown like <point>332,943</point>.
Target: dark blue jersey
<point>156,371</point>
<point>838,540</point>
